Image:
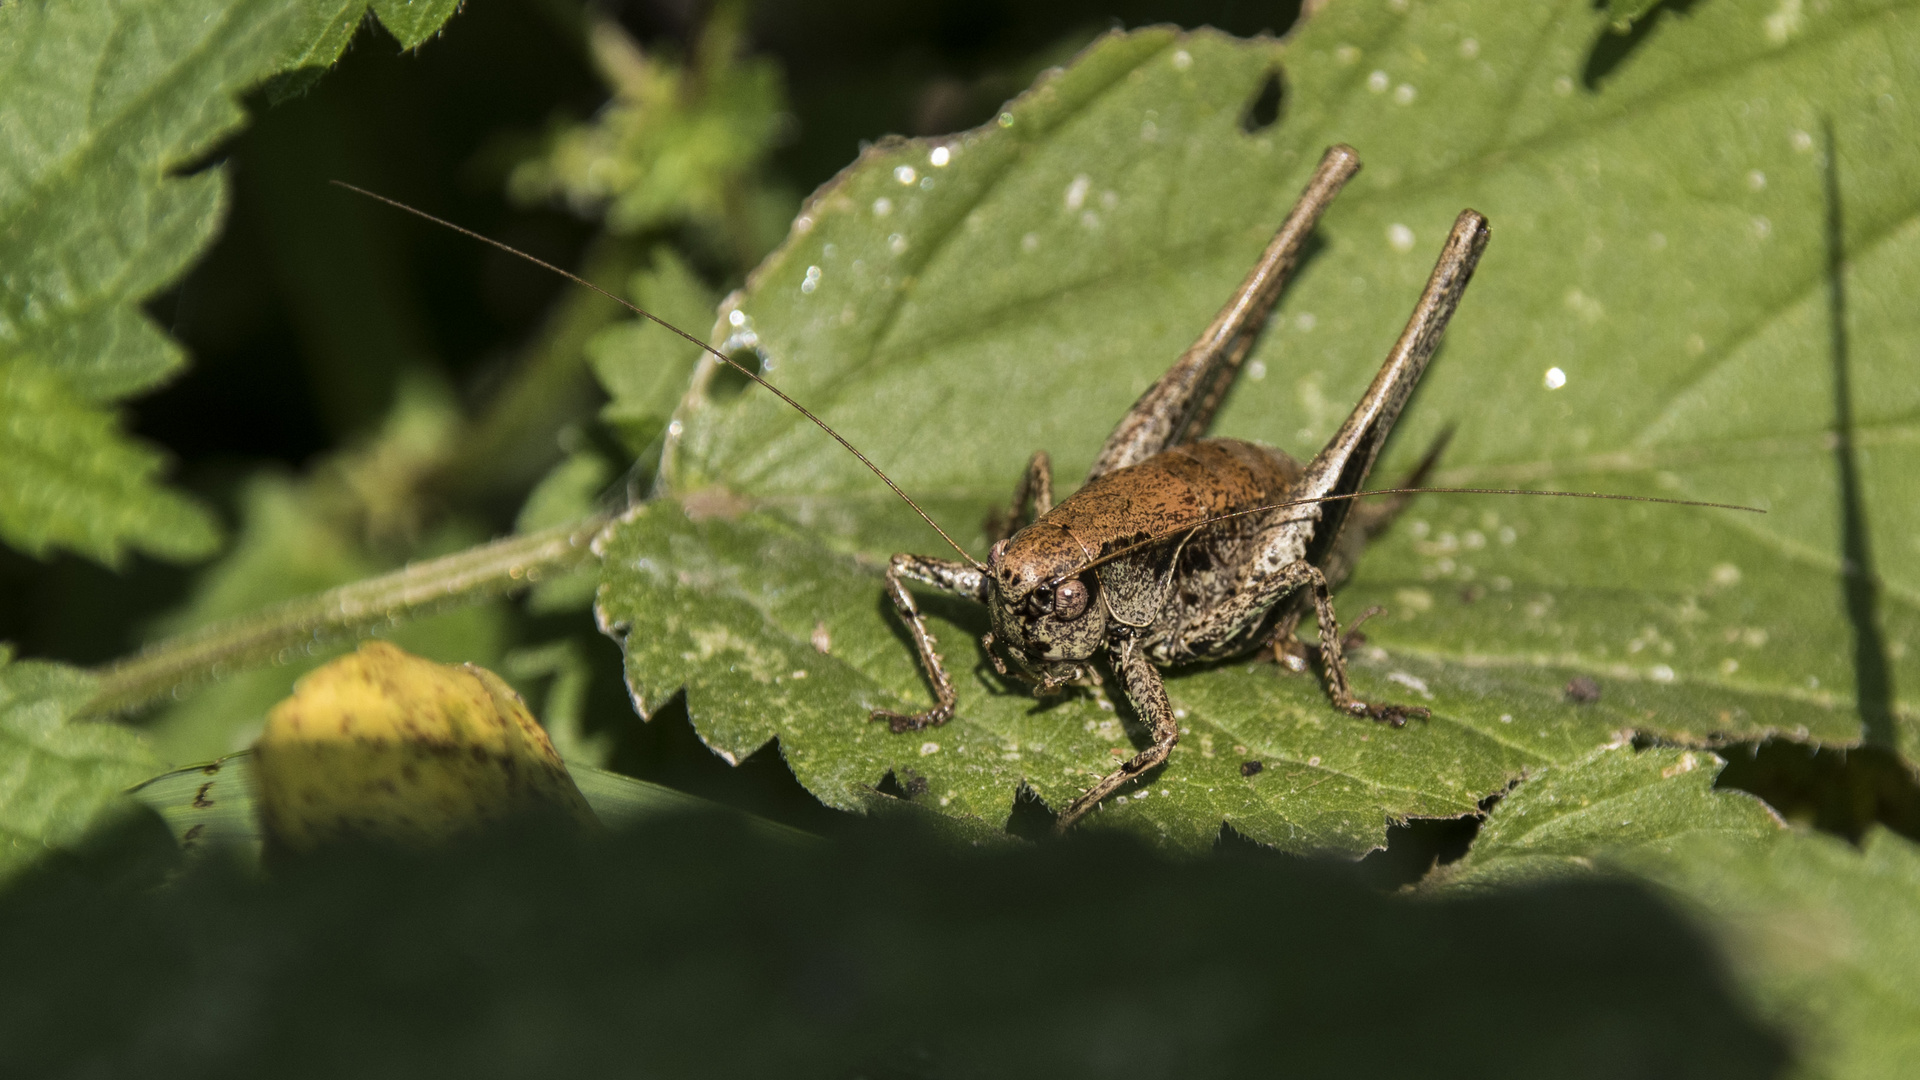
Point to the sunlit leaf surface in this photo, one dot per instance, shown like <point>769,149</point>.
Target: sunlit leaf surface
<point>1822,935</point>
<point>1699,287</point>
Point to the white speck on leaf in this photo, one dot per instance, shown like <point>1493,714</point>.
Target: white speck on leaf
<point>1785,22</point>
<point>1077,191</point>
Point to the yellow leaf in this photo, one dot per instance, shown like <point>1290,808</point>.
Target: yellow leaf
<point>384,744</point>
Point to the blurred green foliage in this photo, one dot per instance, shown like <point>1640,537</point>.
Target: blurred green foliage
<point>676,142</point>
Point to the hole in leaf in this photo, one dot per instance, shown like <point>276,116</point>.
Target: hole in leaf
<point>1612,47</point>
<point>666,750</point>
<point>1263,111</point>
<point>1837,790</point>
<point>1030,820</point>
<point>728,382</point>
<point>1415,848</point>
<point>905,784</point>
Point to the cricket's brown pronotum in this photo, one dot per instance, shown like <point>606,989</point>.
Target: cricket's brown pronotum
<point>1179,548</point>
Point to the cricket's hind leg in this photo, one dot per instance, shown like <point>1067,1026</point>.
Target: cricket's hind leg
<point>1035,489</point>
<point>1178,408</point>
<point>963,579</point>
<point>1288,650</point>
<point>1366,522</point>
<point>1370,518</point>
<point>1333,658</point>
<point>1259,595</point>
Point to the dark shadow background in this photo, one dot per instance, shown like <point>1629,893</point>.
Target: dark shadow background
<point>696,947</point>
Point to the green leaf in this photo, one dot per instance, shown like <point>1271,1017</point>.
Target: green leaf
<point>570,491</point>
<point>676,142</point>
<point>70,478</point>
<point>1823,936</point>
<point>412,22</point>
<point>1625,13</point>
<point>644,366</point>
<point>57,778</point>
<point>1558,824</point>
<point>1661,238</point>
<point>293,543</point>
<point>105,106</point>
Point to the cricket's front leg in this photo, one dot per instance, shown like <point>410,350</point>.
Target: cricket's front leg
<point>1149,696</point>
<point>963,579</point>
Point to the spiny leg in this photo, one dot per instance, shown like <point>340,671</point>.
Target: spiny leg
<point>1289,651</point>
<point>1342,465</point>
<point>1180,405</point>
<point>1369,518</point>
<point>1257,594</point>
<point>955,577</point>
<point>1149,696</point>
<point>1333,660</point>
<point>1366,522</point>
<point>1035,488</point>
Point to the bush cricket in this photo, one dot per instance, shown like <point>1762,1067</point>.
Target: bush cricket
<point>1178,548</point>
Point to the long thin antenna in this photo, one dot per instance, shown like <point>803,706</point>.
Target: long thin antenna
<point>1204,522</point>
<point>717,354</point>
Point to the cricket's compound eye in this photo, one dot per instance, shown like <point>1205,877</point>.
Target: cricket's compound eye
<point>1070,600</point>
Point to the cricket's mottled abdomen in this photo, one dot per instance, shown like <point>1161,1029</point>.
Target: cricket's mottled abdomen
<point>1171,562</point>
<point>1168,492</point>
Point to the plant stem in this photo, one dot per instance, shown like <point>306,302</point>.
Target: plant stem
<point>276,633</point>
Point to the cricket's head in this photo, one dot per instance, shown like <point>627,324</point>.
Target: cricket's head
<point>1044,602</point>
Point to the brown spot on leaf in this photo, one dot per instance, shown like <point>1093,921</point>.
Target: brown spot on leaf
<point>1582,690</point>
<point>1249,768</point>
<point>714,503</point>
